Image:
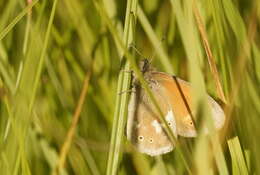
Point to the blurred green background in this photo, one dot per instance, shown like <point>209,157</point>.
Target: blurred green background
<point>48,48</point>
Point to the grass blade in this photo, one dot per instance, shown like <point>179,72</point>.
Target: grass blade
<point>238,161</point>
<point>17,19</point>
<point>211,60</point>
<point>155,41</point>
<point>121,100</point>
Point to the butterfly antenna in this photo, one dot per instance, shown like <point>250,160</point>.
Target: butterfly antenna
<point>154,52</point>
<point>136,50</point>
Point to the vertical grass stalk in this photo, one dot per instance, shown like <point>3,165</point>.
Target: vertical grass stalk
<point>122,99</point>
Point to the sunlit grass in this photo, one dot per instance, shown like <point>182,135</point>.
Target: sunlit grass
<point>45,52</point>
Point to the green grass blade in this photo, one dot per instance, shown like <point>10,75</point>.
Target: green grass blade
<point>43,53</point>
<point>155,41</point>
<point>121,100</point>
<point>17,19</point>
<point>219,156</point>
<point>238,161</point>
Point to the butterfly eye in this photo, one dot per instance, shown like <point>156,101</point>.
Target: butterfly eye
<point>169,123</point>
<point>141,138</point>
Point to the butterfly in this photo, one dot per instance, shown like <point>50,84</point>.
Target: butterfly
<point>173,96</point>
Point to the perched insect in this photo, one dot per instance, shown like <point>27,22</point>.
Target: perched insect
<point>173,96</point>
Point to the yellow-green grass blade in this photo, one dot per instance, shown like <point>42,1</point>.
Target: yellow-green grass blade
<point>237,156</point>
<point>17,19</point>
<point>121,99</point>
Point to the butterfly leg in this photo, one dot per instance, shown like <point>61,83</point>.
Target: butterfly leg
<point>127,91</point>
<point>132,46</point>
<point>126,71</point>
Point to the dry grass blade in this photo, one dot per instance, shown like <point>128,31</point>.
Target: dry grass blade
<point>240,68</point>
<point>68,140</point>
<point>211,61</point>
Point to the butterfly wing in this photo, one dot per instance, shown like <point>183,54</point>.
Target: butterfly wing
<point>178,92</point>
<point>143,127</point>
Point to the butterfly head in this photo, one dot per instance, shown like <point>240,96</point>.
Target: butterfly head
<point>145,65</point>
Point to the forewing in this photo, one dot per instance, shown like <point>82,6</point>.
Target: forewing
<point>178,93</point>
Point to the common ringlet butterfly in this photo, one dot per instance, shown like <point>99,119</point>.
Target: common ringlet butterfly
<point>173,95</point>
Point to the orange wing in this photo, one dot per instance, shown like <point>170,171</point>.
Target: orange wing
<point>178,92</point>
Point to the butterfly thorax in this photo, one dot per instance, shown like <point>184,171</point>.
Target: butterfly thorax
<point>146,70</point>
